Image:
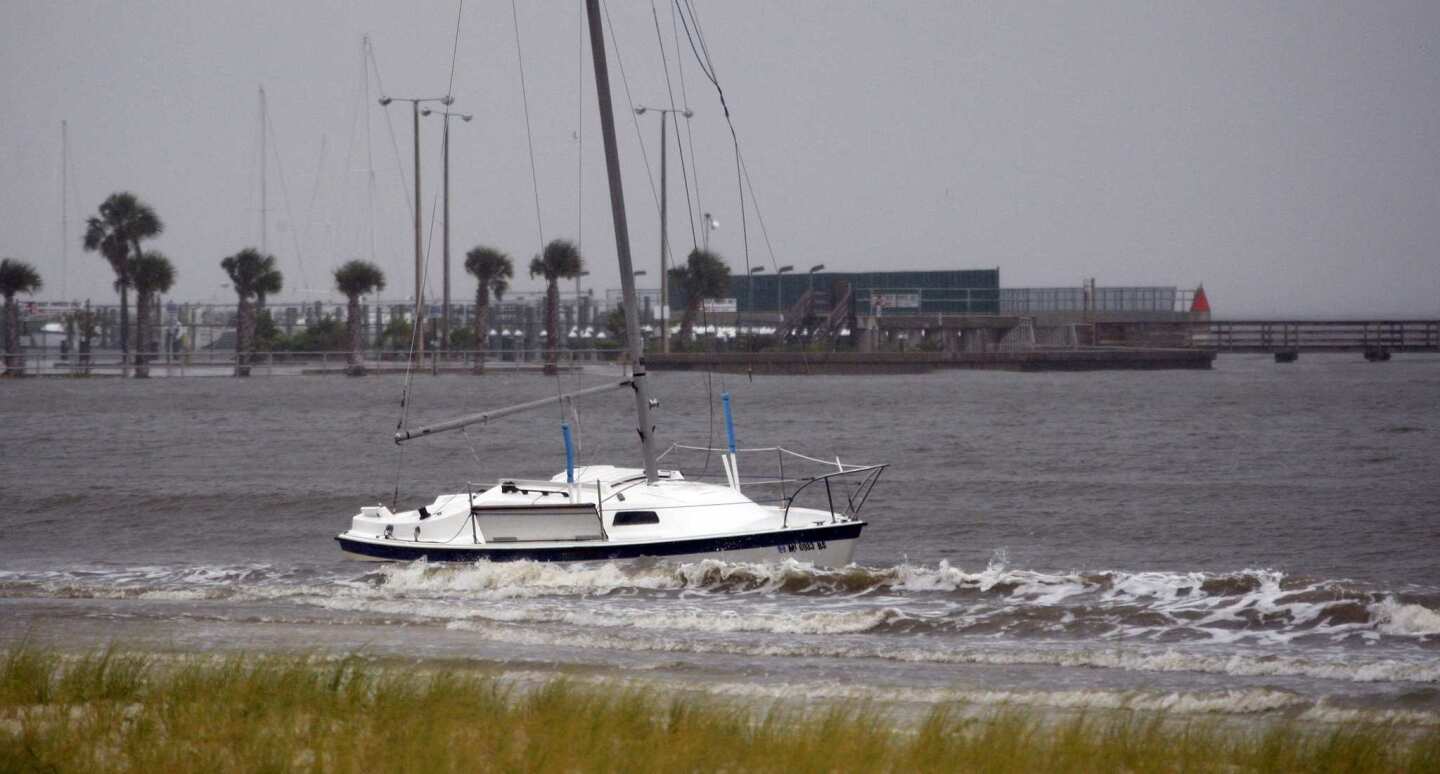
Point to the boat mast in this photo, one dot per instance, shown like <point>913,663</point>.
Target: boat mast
<point>622,243</point>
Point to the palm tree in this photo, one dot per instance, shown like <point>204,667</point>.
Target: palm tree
<point>560,260</point>
<point>704,276</point>
<point>270,282</point>
<point>116,232</point>
<point>247,270</point>
<point>493,270</point>
<point>355,279</point>
<point>15,277</point>
<point>150,273</point>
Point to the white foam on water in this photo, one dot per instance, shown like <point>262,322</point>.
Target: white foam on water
<point>618,617</point>
<point>1252,607</point>
<point>1326,713</point>
<point>1342,667</point>
<point>1401,619</point>
<point>507,580</point>
<point>1243,701</point>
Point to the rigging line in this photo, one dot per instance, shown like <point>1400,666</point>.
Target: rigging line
<point>685,97</point>
<point>685,176</point>
<point>675,120</point>
<point>700,35</point>
<point>394,143</point>
<point>455,49</point>
<point>529,136</point>
<point>755,203</point>
<point>314,196</point>
<point>580,141</point>
<point>429,243</point>
<point>699,59</point>
<point>416,330</point>
<point>630,102</point>
<point>465,431</point>
<point>707,66</point>
<point>575,414</point>
<point>399,468</point>
<point>357,107</point>
<point>575,405</point>
<point>708,70</point>
<point>285,197</point>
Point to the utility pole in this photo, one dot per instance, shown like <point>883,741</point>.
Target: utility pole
<point>419,250</point>
<point>664,240</point>
<point>445,282</point>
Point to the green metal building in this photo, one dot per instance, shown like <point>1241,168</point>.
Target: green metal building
<point>967,291</point>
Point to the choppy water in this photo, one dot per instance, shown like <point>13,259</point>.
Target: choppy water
<point>1256,539</point>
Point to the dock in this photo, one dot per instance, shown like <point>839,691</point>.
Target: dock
<point>1286,339</point>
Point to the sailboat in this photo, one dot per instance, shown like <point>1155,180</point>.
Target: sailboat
<point>608,512</point>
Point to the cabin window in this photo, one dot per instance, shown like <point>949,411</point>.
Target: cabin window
<point>631,518</point>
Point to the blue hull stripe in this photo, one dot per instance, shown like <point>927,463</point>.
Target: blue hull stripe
<point>401,550</point>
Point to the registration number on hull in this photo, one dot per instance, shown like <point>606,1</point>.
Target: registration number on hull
<point>795,548</point>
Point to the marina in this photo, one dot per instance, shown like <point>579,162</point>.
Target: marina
<point>948,387</point>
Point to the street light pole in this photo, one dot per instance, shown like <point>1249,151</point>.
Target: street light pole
<point>779,285</point>
<point>638,273</point>
<point>446,115</point>
<point>664,208</point>
<point>419,252</point>
<point>578,321</point>
<point>754,307</point>
<point>811,292</point>
<point>710,225</point>
<point>813,269</point>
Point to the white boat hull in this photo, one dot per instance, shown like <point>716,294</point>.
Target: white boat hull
<point>831,545</point>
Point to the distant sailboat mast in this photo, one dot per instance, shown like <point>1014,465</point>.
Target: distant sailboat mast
<point>64,208</point>
<point>264,230</point>
<point>369,147</point>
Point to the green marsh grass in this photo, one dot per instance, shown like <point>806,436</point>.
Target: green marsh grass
<point>116,711</point>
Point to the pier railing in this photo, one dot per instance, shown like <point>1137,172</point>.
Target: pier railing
<point>52,362</point>
<point>1321,335</point>
<point>829,486</point>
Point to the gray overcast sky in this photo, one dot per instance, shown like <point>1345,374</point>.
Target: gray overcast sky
<point>1283,153</point>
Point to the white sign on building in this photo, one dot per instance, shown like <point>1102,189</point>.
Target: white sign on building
<point>721,305</point>
<point>895,300</point>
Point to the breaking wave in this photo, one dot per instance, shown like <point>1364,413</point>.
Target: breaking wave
<point>1255,606</point>
<point>1344,667</point>
<point>1164,609</point>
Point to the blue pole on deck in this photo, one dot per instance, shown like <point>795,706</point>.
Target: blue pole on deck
<point>569,453</point>
<point>729,421</point>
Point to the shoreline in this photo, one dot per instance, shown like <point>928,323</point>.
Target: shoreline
<point>967,690</point>
<point>118,709</point>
